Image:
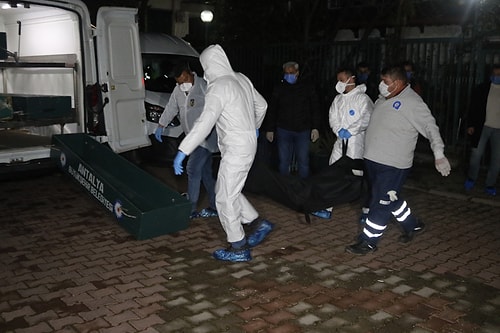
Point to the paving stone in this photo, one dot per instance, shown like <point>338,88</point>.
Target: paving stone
<point>201,317</point>
<point>410,319</point>
<point>319,299</point>
<point>285,328</point>
<point>149,321</point>
<point>449,315</point>
<point>274,305</point>
<point>326,273</point>
<point>65,321</point>
<point>300,307</point>
<point>242,273</point>
<point>91,325</point>
<point>255,325</point>
<point>393,279</point>
<point>451,294</point>
<point>118,319</point>
<point>319,266</point>
<point>278,316</point>
<point>200,306</point>
<point>422,311</point>
<point>122,328</point>
<point>433,324</point>
<point>334,322</point>
<point>347,276</point>
<point>225,310</point>
<point>177,302</point>
<point>24,311</point>
<point>205,328</point>
<point>38,328</point>
<point>308,319</point>
<point>402,289</point>
<point>434,285</point>
<point>41,317</point>
<point>425,292</point>
<point>378,286</point>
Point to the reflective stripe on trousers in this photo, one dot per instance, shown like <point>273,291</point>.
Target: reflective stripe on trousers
<point>386,202</point>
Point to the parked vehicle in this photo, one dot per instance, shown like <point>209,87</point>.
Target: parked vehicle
<point>60,74</point>
<point>160,54</point>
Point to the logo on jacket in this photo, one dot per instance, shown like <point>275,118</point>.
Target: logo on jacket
<point>352,112</point>
<point>191,102</point>
<point>396,105</point>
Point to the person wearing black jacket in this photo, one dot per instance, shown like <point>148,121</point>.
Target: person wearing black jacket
<point>483,126</point>
<point>366,77</point>
<point>293,119</point>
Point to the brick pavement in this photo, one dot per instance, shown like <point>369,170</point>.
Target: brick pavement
<point>68,267</point>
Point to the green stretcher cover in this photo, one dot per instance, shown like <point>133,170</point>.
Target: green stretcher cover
<point>141,204</point>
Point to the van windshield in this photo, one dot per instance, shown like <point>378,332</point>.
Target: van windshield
<point>158,70</point>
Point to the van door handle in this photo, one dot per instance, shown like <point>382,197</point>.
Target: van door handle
<point>104,87</point>
<point>106,101</point>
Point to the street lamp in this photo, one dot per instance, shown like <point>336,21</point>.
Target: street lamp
<point>206,16</point>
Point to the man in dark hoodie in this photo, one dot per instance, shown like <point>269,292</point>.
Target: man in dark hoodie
<point>293,119</point>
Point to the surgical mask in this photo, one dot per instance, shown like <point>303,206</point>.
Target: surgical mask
<point>290,78</point>
<point>186,86</point>
<point>409,75</point>
<point>383,89</point>
<point>363,77</point>
<point>340,86</point>
<point>495,79</point>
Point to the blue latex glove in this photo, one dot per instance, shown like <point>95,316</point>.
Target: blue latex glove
<point>158,132</point>
<point>178,168</point>
<point>347,134</point>
<point>344,134</point>
<point>257,131</point>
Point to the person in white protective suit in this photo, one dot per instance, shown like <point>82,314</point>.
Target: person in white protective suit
<point>237,110</point>
<point>349,116</point>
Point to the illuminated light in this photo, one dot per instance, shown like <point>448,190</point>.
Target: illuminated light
<point>207,16</point>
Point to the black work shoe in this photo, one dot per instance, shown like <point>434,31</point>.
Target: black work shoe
<point>361,247</point>
<point>408,236</point>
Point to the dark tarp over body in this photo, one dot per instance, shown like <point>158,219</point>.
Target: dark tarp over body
<point>334,185</point>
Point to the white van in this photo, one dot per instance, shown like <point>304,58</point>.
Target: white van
<point>161,53</point>
<point>60,74</point>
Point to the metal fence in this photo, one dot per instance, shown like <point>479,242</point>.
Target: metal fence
<point>449,68</point>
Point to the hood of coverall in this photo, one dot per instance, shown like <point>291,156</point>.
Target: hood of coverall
<point>215,63</point>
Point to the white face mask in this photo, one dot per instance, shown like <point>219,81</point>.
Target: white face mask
<point>186,86</point>
<point>340,86</point>
<point>384,89</point>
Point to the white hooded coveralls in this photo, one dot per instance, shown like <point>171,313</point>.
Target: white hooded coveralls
<point>236,109</point>
<point>351,111</point>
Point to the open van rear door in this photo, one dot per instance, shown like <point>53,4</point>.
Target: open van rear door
<point>121,78</point>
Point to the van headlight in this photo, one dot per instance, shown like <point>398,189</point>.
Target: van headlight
<point>153,112</point>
